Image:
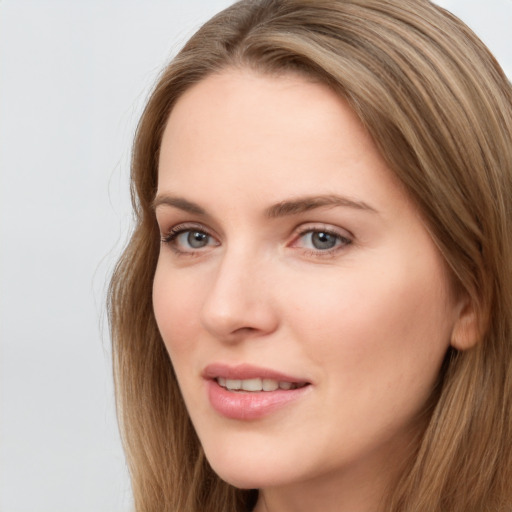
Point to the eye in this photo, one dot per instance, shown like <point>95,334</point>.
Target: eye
<point>321,240</point>
<point>183,239</point>
<point>193,239</point>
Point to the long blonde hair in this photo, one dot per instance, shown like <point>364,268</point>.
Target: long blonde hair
<point>439,108</point>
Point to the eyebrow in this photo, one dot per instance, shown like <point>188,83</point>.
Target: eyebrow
<point>178,202</point>
<point>304,204</point>
<point>281,209</point>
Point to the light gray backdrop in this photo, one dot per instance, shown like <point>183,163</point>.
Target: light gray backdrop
<point>73,78</point>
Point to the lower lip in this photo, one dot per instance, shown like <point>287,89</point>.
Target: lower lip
<point>250,405</point>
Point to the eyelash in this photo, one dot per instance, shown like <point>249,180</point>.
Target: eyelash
<point>342,241</point>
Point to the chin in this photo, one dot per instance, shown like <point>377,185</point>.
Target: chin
<point>240,483</point>
<point>248,472</point>
<point>245,481</point>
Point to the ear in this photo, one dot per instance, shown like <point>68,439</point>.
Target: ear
<point>465,333</point>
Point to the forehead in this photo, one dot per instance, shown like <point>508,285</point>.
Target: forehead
<point>280,107</point>
<point>259,134</point>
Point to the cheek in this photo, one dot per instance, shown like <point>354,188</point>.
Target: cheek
<point>175,303</point>
<point>374,328</point>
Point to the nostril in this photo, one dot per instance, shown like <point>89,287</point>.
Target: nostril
<point>230,315</point>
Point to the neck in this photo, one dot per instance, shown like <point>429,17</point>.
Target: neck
<point>329,495</point>
<point>360,487</point>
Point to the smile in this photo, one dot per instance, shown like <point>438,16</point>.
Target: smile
<point>257,384</point>
<point>245,393</point>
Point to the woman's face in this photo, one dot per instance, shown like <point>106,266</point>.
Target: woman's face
<point>293,266</point>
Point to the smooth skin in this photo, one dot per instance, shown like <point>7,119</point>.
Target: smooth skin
<point>352,296</point>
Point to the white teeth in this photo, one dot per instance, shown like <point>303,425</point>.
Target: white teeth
<point>270,385</point>
<point>255,385</point>
<point>233,384</point>
<point>252,385</point>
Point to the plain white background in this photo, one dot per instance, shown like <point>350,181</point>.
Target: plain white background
<point>74,76</point>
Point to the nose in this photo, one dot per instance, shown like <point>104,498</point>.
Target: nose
<point>239,301</point>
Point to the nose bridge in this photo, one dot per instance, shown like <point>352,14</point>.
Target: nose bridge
<point>239,296</point>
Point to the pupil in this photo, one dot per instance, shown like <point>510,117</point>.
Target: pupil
<point>323,240</point>
<point>196,239</point>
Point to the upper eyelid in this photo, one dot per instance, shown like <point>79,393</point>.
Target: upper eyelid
<point>336,233</point>
<point>187,226</point>
<point>304,227</point>
<point>167,224</point>
<point>323,226</point>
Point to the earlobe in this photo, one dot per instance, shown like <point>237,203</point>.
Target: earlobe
<point>465,333</point>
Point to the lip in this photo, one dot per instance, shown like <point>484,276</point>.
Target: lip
<point>249,405</point>
<point>246,371</point>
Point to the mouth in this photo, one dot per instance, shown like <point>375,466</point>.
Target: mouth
<point>258,384</point>
<point>245,392</point>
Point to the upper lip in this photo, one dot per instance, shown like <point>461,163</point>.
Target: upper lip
<point>247,371</point>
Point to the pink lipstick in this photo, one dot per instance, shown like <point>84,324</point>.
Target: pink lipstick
<point>246,392</point>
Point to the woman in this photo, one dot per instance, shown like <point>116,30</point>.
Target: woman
<point>314,310</point>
